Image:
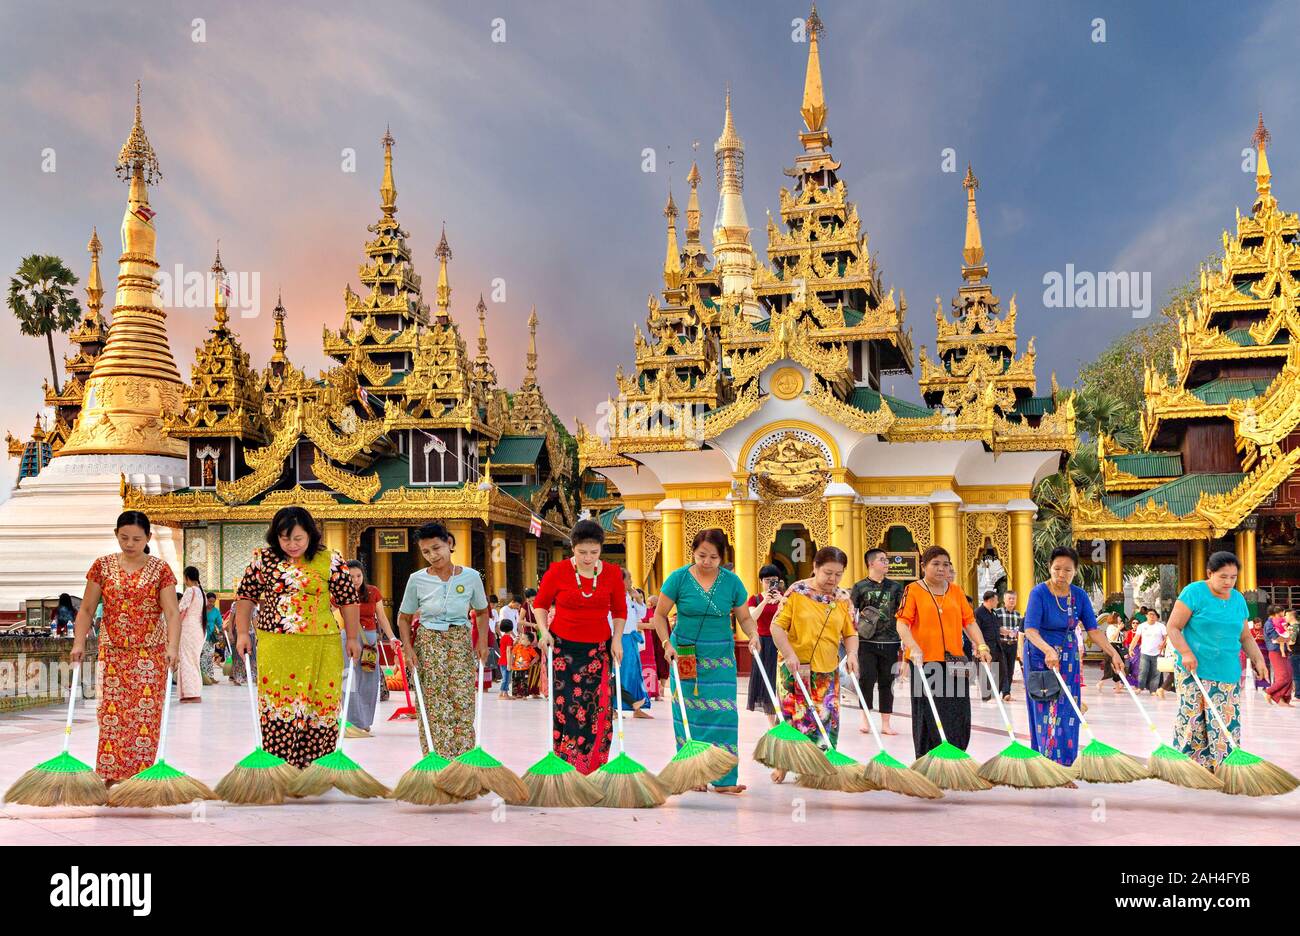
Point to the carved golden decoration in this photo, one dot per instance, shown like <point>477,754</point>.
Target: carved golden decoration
<point>360,488</point>
<point>789,467</point>
<point>915,518</point>
<point>988,526</point>
<point>693,521</point>
<point>811,513</point>
<point>787,383</point>
<point>1225,512</point>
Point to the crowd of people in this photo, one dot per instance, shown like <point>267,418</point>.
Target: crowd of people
<point>303,616</point>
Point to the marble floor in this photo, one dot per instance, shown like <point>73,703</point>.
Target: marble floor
<point>207,739</point>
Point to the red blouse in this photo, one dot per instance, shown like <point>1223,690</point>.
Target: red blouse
<point>573,617</point>
<point>132,610</point>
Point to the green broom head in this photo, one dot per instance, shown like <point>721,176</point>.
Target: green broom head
<point>785,747</point>
<point>160,784</point>
<point>417,785</point>
<point>335,760</point>
<point>477,757</point>
<point>951,768</point>
<point>339,771</point>
<point>623,764</point>
<point>261,759</point>
<point>260,779</point>
<point>431,762</point>
<point>554,782</point>
<point>552,765</point>
<point>696,764</point>
<point>888,761</point>
<point>1100,763</point>
<point>846,775</point>
<point>1173,766</point>
<point>839,760</point>
<point>477,772</point>
<point>690,749</point>
<point>948,751</point>
<point>59,781</point>
<point>625,784</point>
<point>1246,774</point>
<point>1020,766</point>
<point>888,773</point>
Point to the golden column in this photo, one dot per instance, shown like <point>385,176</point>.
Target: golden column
<point>1022,549</point>
<point>859,519</point>
<point>943,520</point>
<point>634,545</point>
<point>336,536</point>
<point>744,513</point>
<point>557,552</point>
<point>382,577</point>
<point>462,551</point>
<point>530,562</point>
<point>1197,560</point>
<point>673,548</point>
<point>1114,567</point>
<point>1251,562</point>
<point>1247,579</point>
<point>1184,565</point>
<point>497,561</point>
<point>839,500</point>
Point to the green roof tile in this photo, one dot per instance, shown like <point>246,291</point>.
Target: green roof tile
<point>607,518</point>
<point>868,400</point>
<point>1180,495</point>
<point>1035,406</point>
<point>518,450</point>
<point>1222,390</point>
<point>1150,464</point>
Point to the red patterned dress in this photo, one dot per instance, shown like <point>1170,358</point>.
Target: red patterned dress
<point>132,668</point>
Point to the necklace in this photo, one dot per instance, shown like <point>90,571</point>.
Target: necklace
<point>578,578</point>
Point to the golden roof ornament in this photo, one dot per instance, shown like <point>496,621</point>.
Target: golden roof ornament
<point>443,290</point>
<point>1263,177</point>
<point>672,256</point>
<point>137,156</point>
<point>530,366</point>
<point>278,340</point>
<point>974,268</point>
<point>814,98</point>
<point>94,285</point>
<point>387,190</point>
<point>219,291</point>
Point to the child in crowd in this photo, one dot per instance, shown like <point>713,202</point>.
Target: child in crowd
<point>525,666</point>
<point>505,647</point>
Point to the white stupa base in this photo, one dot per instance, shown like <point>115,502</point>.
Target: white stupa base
<point>56,524</point>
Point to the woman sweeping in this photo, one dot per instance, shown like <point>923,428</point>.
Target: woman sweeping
<point>580,605</point>
<point>705,596</point>
<point>139,641</point>
<point>1208,627</point>
<point>442,648</point>
<point>934,615</point>
<point>1056,607</point>
<point>809,630</point>
<point>292,582</point>
<point>635,699</point>
<point>189,669</point>
<point>374,622</point>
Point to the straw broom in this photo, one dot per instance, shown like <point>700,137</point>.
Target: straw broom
<point>1101,763</point>
<point>62,780</point>
<point>418,784</point>
<point>785,747</point>
<point>697,763</point>
<point>161,784</point>
<point>848,775</point>
<point>1170,764</point>
<point>889,773</point>
<point>1246,774</point>
<point>336,770</point>
<point>623,782</point>
<point>1019,765</point>
<point>476,771</point>
<point>261,778</point>
<point>947,766</point>
<point>553,781</point>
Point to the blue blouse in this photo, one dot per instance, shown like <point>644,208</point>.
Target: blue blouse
<point>1053,616</point>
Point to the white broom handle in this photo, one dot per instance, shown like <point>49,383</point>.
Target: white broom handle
<point>681,701</point>
<point>419,697</point>
<point>1133,695</point>
<point>1214,710</point>
<point>934,709</point>
<point>167,704</point>
<point>252,699</point>
<point>618,702</point>
<point>347,695</point>
<point>771,693</point>
<point>478,705</point>
<point>72,703</point>
<point>1074,705</point>
<point>812,707</point>
<point>1006,719</point>
<point>862,700</point>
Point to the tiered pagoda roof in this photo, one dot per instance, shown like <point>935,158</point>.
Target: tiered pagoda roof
<point>89,337</point>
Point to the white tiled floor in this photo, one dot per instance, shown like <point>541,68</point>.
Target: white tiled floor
<point>208,739</point>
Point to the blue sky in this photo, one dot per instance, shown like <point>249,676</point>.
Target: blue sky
<point>1124,155</point>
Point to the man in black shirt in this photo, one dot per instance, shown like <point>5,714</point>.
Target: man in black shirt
<point>876,600</point>
<point>990,630</point>
<point>1013,623</point>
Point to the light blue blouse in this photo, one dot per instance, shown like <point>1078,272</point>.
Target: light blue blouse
<point>444,604</point>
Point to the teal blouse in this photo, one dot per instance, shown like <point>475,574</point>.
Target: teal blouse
<point>698,607</point>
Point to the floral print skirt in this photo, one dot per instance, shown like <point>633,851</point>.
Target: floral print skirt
<point>1196,731</point>
<point>583,725</point>
<point>448,669</point>
<point>131,687</point>
<point>299,694</point>
<point>825,691</point>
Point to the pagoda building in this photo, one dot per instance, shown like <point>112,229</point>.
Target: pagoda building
<point>757,404</point>
<point>405,427</point>
<point>1219,466</point>
<point>109,416</point>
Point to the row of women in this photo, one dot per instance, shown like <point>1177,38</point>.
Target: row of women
<point>294,583</point>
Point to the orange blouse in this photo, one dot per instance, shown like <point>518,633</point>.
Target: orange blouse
<point>936,622</point>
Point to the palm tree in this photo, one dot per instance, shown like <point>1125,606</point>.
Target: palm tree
<point>40,297</point>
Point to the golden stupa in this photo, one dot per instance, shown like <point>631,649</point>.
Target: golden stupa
<point>135,380</point>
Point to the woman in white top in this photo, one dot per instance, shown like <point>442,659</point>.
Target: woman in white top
<point>1113,638</point>
<point>189,672</point>
<point>635,698</point>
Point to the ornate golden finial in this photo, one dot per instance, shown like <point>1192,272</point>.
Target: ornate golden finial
<point>137,155</point>
<point>530,369</point>
<point>387,190</point>
<point>1263,178</point>
<point>443,291</point>
<point>94,285</point>
<point>481,308</point>
<point>814,98</point>
<point>219,290</point>
<point>729,138</point>
<point>974,268</point>
<point>278,341</point>
<point>672,256</point>
<point>693,206</point>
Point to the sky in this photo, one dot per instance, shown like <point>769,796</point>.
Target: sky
<point>524,126</point>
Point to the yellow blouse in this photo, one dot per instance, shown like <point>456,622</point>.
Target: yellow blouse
<point>815,625</point>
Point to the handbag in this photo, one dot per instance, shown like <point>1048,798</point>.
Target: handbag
<point>1042,685</point>
<point>1164,663</point>
<point>868,622</point>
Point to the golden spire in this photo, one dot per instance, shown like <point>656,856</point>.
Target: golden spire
<point>387,190</point>
<point>1263,178</point>
<point>735,256</point>
<point>530,368</point>
<point>135,380</point>
<point>814,99</point>
<point>443,291</point>
<point>219,290</point>
<point>278,340</point>
<point>672,256</point>
<point>481,308</point>
<point>94,285</point>
<point>693,206</point>
<point>973,268</point>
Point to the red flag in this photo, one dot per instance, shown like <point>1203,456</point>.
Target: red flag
<point>144,213</point>
<point>535,525</point>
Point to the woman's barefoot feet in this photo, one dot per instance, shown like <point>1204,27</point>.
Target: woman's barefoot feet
<point>730,790</point>
<point>778,776</point>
